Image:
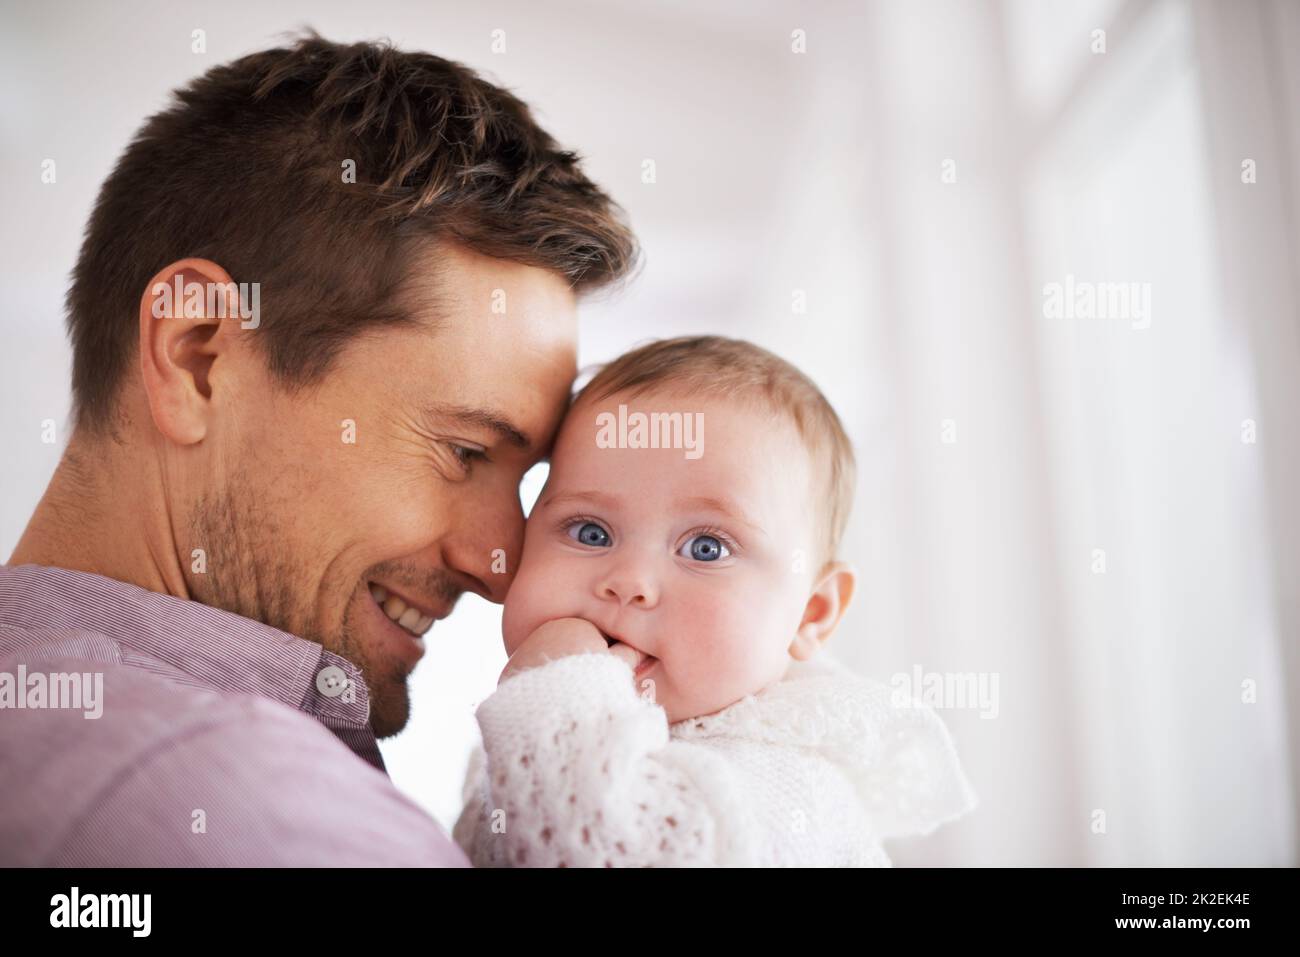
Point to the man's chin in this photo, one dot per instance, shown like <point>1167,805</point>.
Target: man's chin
<point>390,708</point>
<point>384,674</point>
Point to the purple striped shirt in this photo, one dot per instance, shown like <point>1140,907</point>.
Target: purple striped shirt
<point>220,741</point>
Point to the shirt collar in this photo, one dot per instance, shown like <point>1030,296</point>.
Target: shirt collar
<point>218,649</point>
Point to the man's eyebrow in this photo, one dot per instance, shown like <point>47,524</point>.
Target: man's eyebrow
<point>480,418</point>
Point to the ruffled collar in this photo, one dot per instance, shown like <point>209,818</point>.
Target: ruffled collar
<point>897,752</point>
<point>817,702</point>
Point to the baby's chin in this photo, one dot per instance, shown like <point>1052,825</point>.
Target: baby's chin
<point>678,712</point>
<point>676,716</point>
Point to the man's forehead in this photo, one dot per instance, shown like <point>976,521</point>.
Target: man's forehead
<point>447,277</point>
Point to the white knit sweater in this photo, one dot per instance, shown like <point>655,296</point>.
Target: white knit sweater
<point>578,770</point>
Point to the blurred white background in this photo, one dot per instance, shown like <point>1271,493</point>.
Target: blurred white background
<point>918,175</point>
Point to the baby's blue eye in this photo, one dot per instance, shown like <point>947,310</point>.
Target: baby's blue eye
<point>589,533</point>
<point>704,548</point>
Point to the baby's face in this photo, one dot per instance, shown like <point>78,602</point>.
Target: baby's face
<point>702,563</point>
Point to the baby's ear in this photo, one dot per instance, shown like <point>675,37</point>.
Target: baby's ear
<point>826,605</point>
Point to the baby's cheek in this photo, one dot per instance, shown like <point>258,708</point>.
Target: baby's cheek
<point>718,644</point>
<point>524,608</point>
<point>735,618</point>
<point>542,591</point>
<point>744,633</point>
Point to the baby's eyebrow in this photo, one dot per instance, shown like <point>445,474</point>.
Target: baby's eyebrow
<point>599,498</point>
<point>725,506</point>
<point>610,502</point>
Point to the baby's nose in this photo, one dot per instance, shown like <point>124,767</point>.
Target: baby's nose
<point>625,589</point>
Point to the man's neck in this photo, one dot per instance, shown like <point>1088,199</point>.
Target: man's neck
<point>104,512</point>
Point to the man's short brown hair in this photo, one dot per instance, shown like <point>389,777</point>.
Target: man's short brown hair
<point>246,169</point>
<point>719,367</point>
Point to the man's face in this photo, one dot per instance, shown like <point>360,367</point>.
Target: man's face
<point>396,480</point>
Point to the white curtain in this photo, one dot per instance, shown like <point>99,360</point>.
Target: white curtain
<point>1098,511</point>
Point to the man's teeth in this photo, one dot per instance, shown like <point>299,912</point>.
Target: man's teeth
<point>400,612</point>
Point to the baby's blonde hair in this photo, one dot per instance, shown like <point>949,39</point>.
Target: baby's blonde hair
<point>732,368</point>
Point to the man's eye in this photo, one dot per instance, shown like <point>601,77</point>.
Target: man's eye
<point>704,548</point>
<point>589,533</point>
<point>465,455</point>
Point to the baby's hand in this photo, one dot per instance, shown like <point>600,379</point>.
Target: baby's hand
<point>555,639</point>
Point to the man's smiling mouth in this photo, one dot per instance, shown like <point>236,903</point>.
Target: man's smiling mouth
<point>415,620</point>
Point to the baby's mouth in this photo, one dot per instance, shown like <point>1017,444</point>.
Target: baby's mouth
<point>644,661</point>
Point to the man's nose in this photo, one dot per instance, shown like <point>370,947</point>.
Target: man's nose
<point>491,545</point>
<point>628,583</point>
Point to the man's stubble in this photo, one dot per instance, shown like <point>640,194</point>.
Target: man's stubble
<point>255,568</point>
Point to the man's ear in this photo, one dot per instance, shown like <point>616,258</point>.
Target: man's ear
<point>181,337</point>
<point>826,606</point>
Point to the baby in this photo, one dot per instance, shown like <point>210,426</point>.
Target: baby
<point>665,702</point>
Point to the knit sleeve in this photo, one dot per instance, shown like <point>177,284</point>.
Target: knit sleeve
<point>580,771</point>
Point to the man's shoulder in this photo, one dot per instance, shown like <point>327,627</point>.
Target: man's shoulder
<point>171,773</point>
<point>78,723</point>
<point>74,689</point>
